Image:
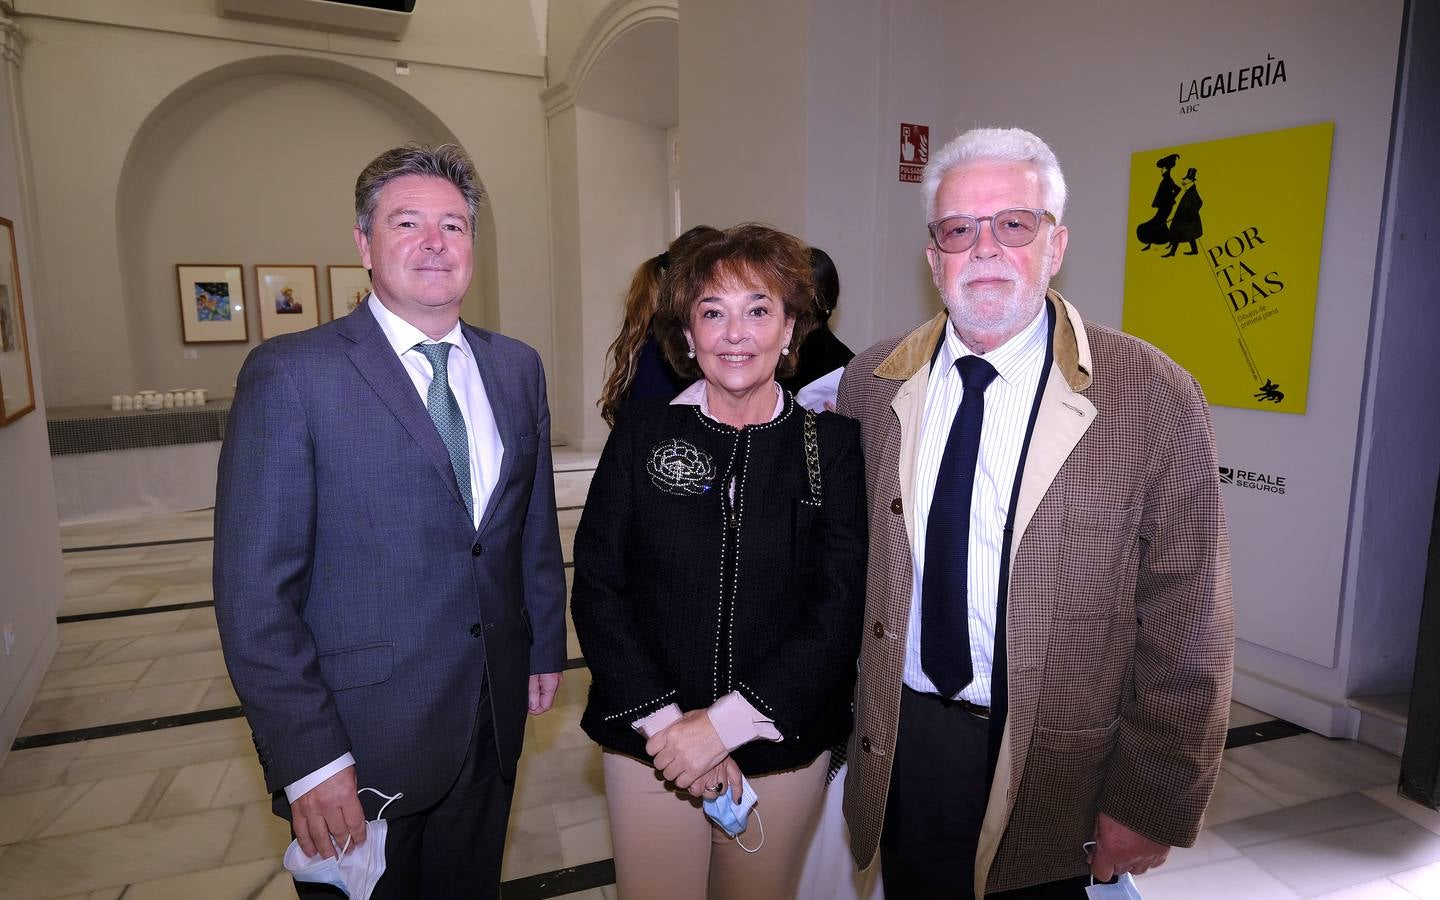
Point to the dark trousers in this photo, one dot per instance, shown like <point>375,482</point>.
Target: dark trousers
<point>939,786</point>
<point>453,848</point>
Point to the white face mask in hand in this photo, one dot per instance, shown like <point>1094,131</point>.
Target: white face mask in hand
<point>1123,889</point>
<point>354,873</point>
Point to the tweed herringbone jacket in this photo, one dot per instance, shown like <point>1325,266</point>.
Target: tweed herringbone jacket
<point>1119,627</point>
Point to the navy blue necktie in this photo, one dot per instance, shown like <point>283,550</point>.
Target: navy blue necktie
<point>944,598</point>
<point>444,409</point>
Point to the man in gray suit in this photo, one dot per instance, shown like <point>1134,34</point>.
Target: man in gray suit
<point>388,580</point>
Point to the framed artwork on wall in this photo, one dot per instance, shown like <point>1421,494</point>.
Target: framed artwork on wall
<point>287,299</point>
<point>17,386</point>
<point>212,304</point>
<point>348,286</point>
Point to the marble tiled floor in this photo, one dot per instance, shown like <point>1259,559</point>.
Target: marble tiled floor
<point>182,812</point>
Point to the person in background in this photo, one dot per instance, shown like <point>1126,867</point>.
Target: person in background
<point>638,370</point>
<point>822,354</point>
<point>719,578</point>
<point>1046,664</point>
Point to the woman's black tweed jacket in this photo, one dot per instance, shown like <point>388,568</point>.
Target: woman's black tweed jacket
<point>683,595</point>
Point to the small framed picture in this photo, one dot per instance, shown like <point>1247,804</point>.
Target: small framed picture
<point>17,386</point>
<point>348,287</point>
<point>212,304</point>
<point>287,299</point>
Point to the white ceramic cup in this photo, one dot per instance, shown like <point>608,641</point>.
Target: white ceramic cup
<point>127,401</point>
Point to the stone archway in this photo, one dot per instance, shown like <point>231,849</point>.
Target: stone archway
<point>610,122</point>
<point>253,162</point>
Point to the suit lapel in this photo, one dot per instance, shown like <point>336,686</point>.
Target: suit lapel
<point>909,406</point>
<point>372,354</point>
<point>501,389</point>
<point>1064,417</point>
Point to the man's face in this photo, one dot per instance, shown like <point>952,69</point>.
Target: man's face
<point>420,252</point>
<point>992,291</point>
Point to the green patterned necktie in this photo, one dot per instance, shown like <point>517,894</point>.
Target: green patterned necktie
<point>448,421</point>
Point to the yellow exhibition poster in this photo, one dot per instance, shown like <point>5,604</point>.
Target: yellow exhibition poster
<point>1223,260</point>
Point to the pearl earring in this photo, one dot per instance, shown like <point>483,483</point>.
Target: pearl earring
<point>785,351</point>
<point>691,353</point>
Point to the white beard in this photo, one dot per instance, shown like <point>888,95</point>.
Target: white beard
<point>998,312</point>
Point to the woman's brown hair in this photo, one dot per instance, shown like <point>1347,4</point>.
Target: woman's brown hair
<point>642,300</point>
<point>749,254</point>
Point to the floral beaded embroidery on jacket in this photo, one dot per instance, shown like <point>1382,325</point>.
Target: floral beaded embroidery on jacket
<point>680,468</point>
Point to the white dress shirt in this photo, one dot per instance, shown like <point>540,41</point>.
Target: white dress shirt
<point>486,451</point>
<point>1008,401</point>
<point>483,438</point>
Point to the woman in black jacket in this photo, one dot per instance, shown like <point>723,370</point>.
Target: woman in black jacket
<point>719,586</point>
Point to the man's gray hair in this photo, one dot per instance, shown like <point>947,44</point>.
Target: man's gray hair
<point>446,161</point>
<point>997,145</point>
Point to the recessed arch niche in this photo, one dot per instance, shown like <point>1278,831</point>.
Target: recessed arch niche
<point>610,123</point>
<point>255,162</point>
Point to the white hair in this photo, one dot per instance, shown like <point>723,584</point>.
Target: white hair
<point>997,145</point>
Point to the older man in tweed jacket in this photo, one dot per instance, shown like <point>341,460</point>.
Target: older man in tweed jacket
<point>1093,595</point>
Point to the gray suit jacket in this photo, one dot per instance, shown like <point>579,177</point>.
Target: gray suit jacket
<point>359,608</point>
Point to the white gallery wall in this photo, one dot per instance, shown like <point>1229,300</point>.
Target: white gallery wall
<point>30,584</point>
<point>611,107</point>
<point>106,76</point>
<point>257,169</point>
<point>1099,83</point>
<point>623,204</point>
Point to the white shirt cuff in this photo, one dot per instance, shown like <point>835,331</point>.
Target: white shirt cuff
<point>307,784</point>
<point>737,722</point>
<point>657,721</point>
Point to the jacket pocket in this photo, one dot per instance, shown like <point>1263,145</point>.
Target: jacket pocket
<point>1097,560</point>
<point>803,516</point>
<point>527,444</point>
<point>1054,810</point>
<point>353,667</point>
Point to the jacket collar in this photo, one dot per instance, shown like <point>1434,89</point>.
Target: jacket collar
<point>1072,347</point>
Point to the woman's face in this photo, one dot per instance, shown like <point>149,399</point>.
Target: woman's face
<point>737,329</point>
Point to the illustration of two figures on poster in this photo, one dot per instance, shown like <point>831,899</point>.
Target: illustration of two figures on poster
<point>1177,211</point>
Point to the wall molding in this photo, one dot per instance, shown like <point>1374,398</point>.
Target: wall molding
<point>608,27</point>
<point>12,39</point>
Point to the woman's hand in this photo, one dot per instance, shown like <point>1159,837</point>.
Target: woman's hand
<point>687,750</point>
<point>724,777</point>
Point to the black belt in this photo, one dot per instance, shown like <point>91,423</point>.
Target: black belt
<point>974,709</point>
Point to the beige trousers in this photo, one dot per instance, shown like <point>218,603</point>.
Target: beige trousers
<point>666,848</point>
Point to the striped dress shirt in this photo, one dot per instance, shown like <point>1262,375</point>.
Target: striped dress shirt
<point>1008,401</point>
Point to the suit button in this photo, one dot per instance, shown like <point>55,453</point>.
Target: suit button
<point>865,744</point>
<point>895,506</point>
<point>879,629</point>
<point>476,630</point>
<point>477,549</point>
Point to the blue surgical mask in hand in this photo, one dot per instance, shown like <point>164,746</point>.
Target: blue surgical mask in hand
<point>354,872</point>
<point>733,816</point>
<point>1123,889</point>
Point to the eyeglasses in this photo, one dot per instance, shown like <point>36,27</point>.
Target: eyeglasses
<point>1011,227</point>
